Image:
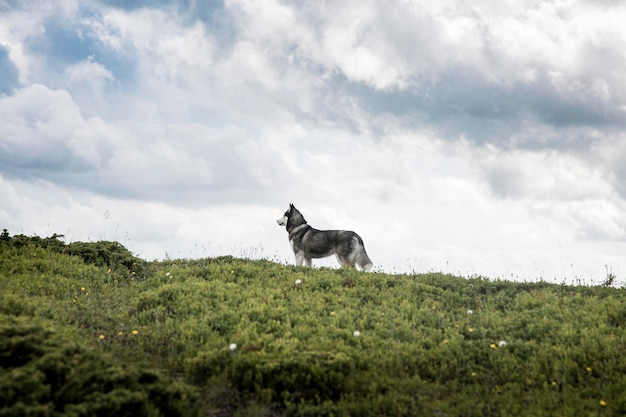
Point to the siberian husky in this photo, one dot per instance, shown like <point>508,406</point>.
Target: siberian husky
<point>308,243</point>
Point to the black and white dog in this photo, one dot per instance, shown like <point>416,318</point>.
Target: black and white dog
<point>308,243</point>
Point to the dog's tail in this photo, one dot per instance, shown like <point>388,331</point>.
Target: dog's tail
<point>362,260</point>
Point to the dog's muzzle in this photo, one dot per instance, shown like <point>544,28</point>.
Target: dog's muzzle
<point>282,221</point>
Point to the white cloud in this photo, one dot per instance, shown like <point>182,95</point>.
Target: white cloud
<point>88,72</point>
<point>169,49</point>
<point>565,189</point>
<point>36,122</point>
<point>47,137</point>
<point>400,44</point>
<point>46,134</point>
<point>544,175</point>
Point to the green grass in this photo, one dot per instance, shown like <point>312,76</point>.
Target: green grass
<point>153,339</point>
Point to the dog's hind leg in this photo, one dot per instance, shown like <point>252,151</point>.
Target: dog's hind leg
<point>362,260</point>
<point>345,262</point>
<point>367,267</point>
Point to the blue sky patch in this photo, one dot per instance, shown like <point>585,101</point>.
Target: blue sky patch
<point>9,78</point>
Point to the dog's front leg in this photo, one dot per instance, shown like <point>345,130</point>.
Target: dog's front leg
<point>299,258</point>
<point>309,262</point>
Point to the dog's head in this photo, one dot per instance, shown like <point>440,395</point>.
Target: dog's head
<point>283,220</point>
<point>291,218</point>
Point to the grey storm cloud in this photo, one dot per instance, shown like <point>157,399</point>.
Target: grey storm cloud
<point>464,104</point>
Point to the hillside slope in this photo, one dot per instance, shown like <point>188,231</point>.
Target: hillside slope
<point>227,336</point>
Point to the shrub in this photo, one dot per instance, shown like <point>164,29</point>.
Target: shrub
<point>105,254</point>
<point>42,374</point>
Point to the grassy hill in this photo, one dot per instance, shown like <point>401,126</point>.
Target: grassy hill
<point>88,329</point>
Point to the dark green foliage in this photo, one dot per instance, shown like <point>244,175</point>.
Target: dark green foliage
<point>42,374</point>
<point>105,254</point>
<point>4,237</point>
<point>109,254</point>
<point>419,350</point>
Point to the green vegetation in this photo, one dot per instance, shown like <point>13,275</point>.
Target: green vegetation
<point>88,329</point>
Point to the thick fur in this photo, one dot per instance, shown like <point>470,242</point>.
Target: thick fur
<point>309,243</point>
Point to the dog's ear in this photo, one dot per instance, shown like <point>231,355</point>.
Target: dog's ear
<point>291,206</point>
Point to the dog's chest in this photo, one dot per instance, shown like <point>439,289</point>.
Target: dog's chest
<point>297,236</point>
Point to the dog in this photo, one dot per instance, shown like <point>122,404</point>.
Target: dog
<point>308,243</point>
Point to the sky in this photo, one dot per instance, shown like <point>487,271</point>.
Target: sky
<point>474,138</point>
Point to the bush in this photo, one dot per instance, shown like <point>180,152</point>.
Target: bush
<point>42,374</point>
<point>105,254</point>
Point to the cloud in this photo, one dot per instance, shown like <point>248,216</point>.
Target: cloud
<point>466,137</point>
<point>544,176</point>
<point>46,137</point>
<point>45,134</point>
<point>88,72</point>
<point>38,124</point>
<point>484,72</point>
